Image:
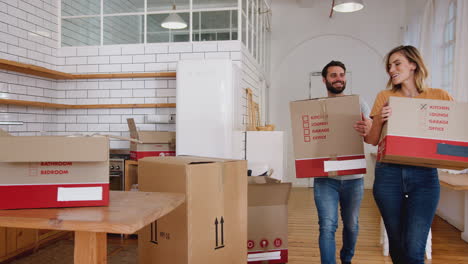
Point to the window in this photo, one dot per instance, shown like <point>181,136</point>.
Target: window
<point>448,47</point>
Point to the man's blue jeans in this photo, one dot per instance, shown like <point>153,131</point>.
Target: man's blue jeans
<point>328,193</point>
<point>407,197</point>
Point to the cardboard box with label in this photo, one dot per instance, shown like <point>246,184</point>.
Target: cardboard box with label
<point>151,143</point>
<point>268,220</point>
<point>211,226</point>
<point>53,171</point>
<point>424,132</point>
<point>325,142</point>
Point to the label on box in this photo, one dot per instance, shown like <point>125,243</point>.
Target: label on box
<point>79,194</point>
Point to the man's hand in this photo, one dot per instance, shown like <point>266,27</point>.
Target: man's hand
<point>363,127</point>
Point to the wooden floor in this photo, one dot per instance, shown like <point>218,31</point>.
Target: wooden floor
<point>447,247</point>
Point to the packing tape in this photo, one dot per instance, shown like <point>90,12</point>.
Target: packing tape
<point>452,150</point>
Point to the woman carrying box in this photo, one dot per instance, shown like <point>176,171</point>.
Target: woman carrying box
<point>407,196</point>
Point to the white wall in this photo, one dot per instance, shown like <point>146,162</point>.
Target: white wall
<point>305,39</point>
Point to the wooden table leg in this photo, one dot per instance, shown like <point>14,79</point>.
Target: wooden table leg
<point>90,248</point>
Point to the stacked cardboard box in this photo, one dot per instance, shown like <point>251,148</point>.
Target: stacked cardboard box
<point>423,132</point>
<point>211,227</point>
<point>325,142</point>
<point>53,171</point>
<point>267,220</point>
<point>150,143</point>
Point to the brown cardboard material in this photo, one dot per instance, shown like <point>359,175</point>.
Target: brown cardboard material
<point>151,143</point>
<point>3,133</point>
<point>424,132</point>
<point>267,220</point>
<point>43,171</point>
<point>211,227</point>
<point>322,131</point>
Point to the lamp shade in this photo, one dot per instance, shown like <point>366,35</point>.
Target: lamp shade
<point>174,21</point>
<point>347,6</point>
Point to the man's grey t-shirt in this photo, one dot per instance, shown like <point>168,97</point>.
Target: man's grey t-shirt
<point>365,110</point>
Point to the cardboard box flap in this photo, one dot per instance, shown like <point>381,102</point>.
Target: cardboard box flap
<point>3,133</point>
<point>323,98</point>
<point>54,148</point>
<point>152,137</point>
<point>262,180</point>
<point>268,194</point>
<point>184,160</point>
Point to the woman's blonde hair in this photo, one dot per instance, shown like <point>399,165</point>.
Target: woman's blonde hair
<point>413,55</point>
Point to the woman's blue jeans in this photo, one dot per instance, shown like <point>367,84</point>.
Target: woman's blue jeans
<point>407,197</point>
<point>328,193</point>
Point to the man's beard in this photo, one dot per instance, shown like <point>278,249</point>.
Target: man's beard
<point>334,90</point>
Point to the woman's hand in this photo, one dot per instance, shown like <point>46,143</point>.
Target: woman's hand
<point>364,126</point>
<point>386,112</point>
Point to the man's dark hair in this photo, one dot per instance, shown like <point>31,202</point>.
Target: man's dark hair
<point>330,64</point>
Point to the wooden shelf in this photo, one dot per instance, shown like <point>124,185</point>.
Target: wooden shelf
<point>65,106</point>
<point>57,75</point>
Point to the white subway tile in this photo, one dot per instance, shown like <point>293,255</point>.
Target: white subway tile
<point>87,85</point>
<point>138,118</point>
<point>76,127</point>
<point>102,111</point>
<point>87,119</point>
<point>205,46</point>
<point>98,127</point>
<point>23,43</point>
<point>68,68</point>
<point>50,93</point>
<point>120,93</point>
<point>110,101</point>
<point>156,48</point>
<point>156,84</point>
<point>110,84</point>
<point>26,7</point>
<point>66,52</point>
<point>44,49</point>
<point>133,84</point>
<point>144,111</point>
<point>16,12</point>
<point>172,66</point>
<point>35,127</point>
<point>118,127</point>
<point>180,47</point>
<point>172,84</point>
<point>87,101</point>
<point>217,55</point>
<point>144,58</point>
<point>87,68</point>
<point>110,68</point>
<point>192,56</point>
<point>98,93</point>
<point>147,127</point>
<point>167,57</point>
<point>35,91</point>
<point>133,67</point>
<point>43,118</point>
<point>98,60</point>
<point>110,50</point>
<point>17,89</point>
<point>165,92</point>
<point>8,38</point>
<point>133,49</point>
<point>155,100</point>
<point>66,119</point>
<point>120,111</point>
<point>155,67</point>
<point>21,33</point>
<point>109,119</point>
<point>27,117</point>
<point>76,111</point>
<point>229,45</point>
<point>133,100</point>
<point>144,93</point>
<point>77,94</point>
<point>120,59</point>
<point>76,60</point>
<point>87,51</point>
<point>25,80</point>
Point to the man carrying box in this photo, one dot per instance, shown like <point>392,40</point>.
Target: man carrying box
<point>346,190</point>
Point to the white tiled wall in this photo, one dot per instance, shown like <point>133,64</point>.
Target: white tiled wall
<point>23,38</point>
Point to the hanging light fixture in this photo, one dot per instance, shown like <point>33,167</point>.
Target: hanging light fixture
<point>347,6</point>
<point>174,21</point>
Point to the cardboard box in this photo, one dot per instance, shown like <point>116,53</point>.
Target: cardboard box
<point>325,142</point>
<point>150,143</point>
<point>424,132</point>
<point>211,227</point>
<point>268,220</point>
<point>53,171</point>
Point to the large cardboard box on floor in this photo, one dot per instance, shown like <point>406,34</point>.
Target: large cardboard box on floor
<point>325,142</point>
<point>53,171</point>
<point>211,226</point>
<point>424,132</point>
<point>268,220</point>
<point>151,143</point>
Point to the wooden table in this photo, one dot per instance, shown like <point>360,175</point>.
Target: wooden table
<point>127,213</point>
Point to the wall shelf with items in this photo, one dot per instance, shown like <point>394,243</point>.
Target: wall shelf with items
<point>57,75</point>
